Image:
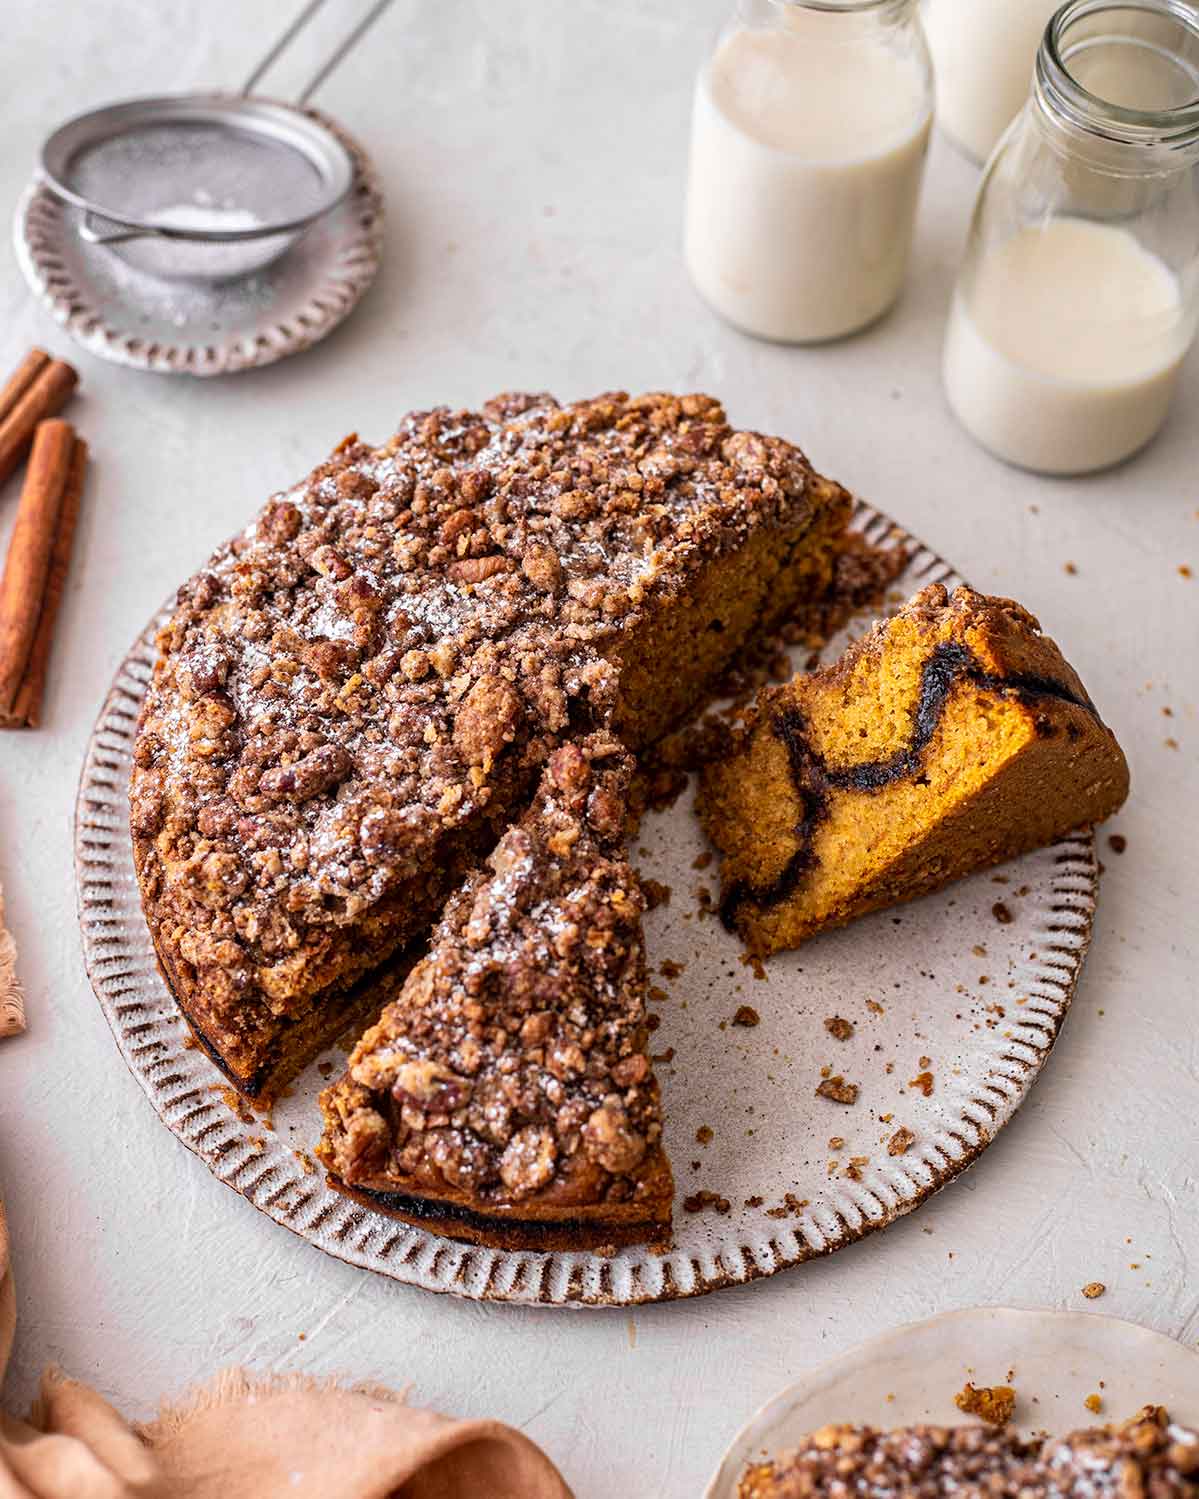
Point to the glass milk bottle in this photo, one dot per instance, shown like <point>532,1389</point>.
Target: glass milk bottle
<point>1078,294</point>
<point>983,53</point>
<point>809,133</point>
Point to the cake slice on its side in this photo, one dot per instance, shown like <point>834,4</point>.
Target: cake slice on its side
<point>505,1097</point>
<point>1146,1455</point>
<point>950,738</point>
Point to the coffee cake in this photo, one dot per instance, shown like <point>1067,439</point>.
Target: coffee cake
<point>951,737</point>
<point>506,1095</point>
<point>1146,1458</point>
<point>355,696</point>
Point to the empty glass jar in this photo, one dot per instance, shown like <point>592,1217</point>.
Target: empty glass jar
<point>809,133</point>
<point>1077,298</point>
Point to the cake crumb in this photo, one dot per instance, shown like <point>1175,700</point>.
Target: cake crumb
<point>901,1141</point>
<point>747,1016</point>
<point>838,1090</point>
<point>1093,1289</point>
<point>923,1081</point>
<point>1117,842</point>
<point>656,893</point>
<point>699,1201</point>
<point>838,1027</point>
<point>1071,568</point>
<point>1001,913</point>
<point>1094,1403</point>
<point>993,1404</point>
<point>669,969</point>
<point>836,1143</point>
<point>704,1134</point>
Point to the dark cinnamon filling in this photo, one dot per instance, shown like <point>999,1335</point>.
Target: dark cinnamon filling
<point>949,663</point>
<point>532,1232</point>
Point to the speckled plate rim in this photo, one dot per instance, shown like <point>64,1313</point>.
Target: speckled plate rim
<point>911,1373</point>
<point>183,1086</point>
<point>38,227</point>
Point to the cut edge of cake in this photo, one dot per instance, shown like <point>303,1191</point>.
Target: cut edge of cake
<point>951,737</point>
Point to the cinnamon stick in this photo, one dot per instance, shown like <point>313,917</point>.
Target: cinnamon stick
<point>27,567</point>
<point>12,1002</point>
<point>21,379</point>
<point>34,392</point>
<point>27,710</point>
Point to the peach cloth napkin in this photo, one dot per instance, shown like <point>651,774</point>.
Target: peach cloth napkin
<point>241,1438</point>
<point>12,1005</point>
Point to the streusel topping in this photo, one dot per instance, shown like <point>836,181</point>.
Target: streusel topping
<point>1147,1458</point>
<point>516,1052</point>
<point>396,645</point>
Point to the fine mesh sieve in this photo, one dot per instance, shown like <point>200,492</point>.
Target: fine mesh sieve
<point>206,186</point>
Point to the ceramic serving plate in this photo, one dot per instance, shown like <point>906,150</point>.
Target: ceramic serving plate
<point>955,1002</point>
<point>1055,1360</point>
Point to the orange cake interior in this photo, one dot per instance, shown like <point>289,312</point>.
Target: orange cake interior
<point>951,737</point>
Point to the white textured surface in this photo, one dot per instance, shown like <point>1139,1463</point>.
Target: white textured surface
<point>533,158</point>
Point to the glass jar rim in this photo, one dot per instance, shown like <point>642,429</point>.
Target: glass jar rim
<point>1177,126</point>
<point>840,6</point>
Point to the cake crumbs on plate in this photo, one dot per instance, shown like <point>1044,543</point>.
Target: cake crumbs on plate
<point>699,1201</point>
<point>655,892</point>
<point>704,1134</point>
<point>993,1404</point>
<point>1094,1403</point>
<point>1117,842</point>
<point>747,1016</point>
<point>1093,1289</point>
<point>901,1141</point>
<point>924,1082</point>
<point>838,1027</point>
<point>838,1090</point>
<point>1001,913</point>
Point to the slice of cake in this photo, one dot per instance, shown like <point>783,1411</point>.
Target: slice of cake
<point>356,695</point>
<point>949,738</point>
<point>506,1097</point>
<point>1147,1456</point>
